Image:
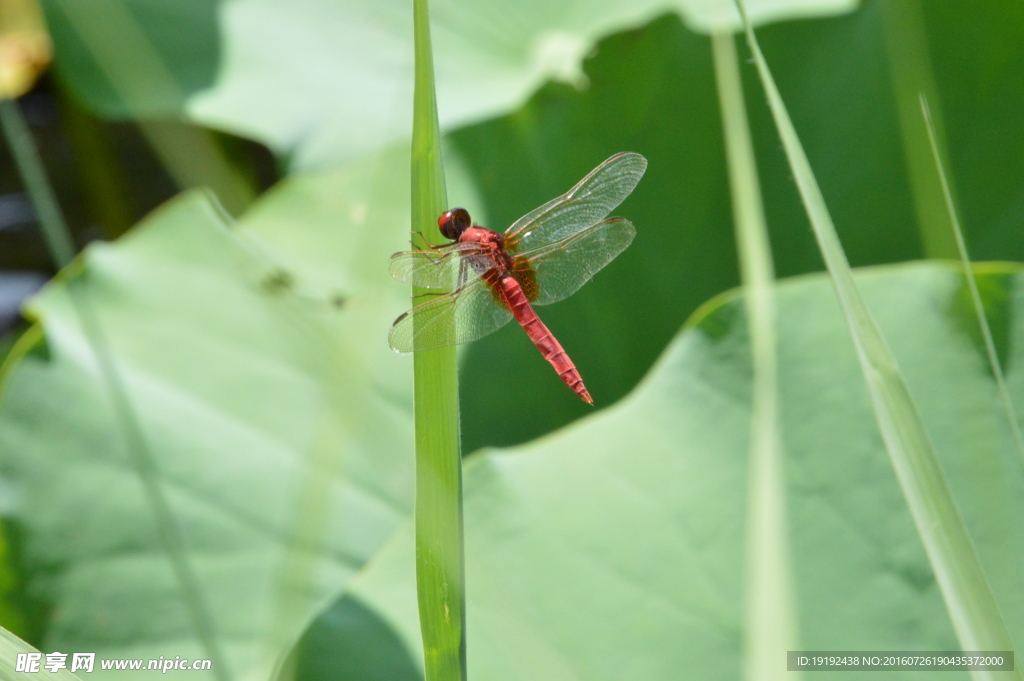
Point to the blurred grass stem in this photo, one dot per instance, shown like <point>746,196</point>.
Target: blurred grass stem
<point>910,68</point>
<point>972,281</point>
<point>55,231</point>
<point>770,612</point>
<point>972,607</point>
<point>61,246</point>
<point>440,564</point>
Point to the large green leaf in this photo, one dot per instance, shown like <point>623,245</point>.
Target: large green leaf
<point>322,81</point>
<point>280,425</point>
<point>612,549</point>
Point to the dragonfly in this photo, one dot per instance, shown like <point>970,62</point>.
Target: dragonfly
<point>481,280</point>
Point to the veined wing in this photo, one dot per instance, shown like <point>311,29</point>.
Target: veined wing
<point>558,270</point>
<point>438,268</point>
<point>465,315</point>
<point>591,200</point>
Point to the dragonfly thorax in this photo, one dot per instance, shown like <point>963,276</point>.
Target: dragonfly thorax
<point>491,255</point>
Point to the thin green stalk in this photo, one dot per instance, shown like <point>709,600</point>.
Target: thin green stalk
<point>59,241</point>
<point>972,281</point>
<point>911,72</point>
<point>440,564</point>
<point>55,232</point>
<point>770,619</point>
<point>958,571</point>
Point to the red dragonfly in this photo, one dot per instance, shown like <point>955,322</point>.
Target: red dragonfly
<point>545,257</point>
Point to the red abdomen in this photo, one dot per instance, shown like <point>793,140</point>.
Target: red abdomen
<point>541,336</point>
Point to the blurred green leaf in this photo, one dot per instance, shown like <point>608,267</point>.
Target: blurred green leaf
<point>613,548</point>
<point>184,38</point>
<point>321,82</point>
<point>280,427</point>
<point>11,645</point>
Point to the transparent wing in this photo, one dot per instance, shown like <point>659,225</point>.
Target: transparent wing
<point>591,200</point>
<point>557,271</point>
<point>437,268</point>
<point>452,319</point>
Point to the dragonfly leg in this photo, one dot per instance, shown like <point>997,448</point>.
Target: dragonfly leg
<point>424,239</point>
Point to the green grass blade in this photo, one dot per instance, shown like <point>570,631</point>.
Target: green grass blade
<point>61,247</point>
<point>55,231</point>
<point>972,281</point>
<point>770,618</point>
<point>965,589</point>
<point>440,581</point>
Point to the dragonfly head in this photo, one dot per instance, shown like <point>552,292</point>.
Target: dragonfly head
<point>454,222</point>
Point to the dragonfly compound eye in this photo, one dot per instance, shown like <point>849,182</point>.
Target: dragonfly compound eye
<point>454,222</point>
